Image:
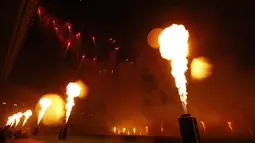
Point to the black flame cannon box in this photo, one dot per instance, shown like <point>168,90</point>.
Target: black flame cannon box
<point>189,129</point>
<point>63,132</point>
<point>36,131</point>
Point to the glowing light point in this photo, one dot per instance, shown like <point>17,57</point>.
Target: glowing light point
<point>230,126</point>
<point>39,11</point>
<point>78,35</point>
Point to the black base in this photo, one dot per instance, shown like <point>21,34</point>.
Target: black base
<point>4,134</point>
<point>36,131</point>
<point>63,132</point>
<point>189,129</point>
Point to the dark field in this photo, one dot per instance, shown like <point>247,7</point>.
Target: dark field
<point>122,139</point>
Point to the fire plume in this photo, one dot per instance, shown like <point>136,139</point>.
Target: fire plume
<point>72,90</point>
<point>17,118</point>
<point>10,121</point>
<point>173,43</point>
<point>27,114</point>
<point>44,103</point>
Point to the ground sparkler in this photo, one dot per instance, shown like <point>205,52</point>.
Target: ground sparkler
<point>173,43</point>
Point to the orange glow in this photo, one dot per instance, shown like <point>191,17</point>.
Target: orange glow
<point>174,47</point>
<point>83,89</point>
<point>146,129</point>
<point>27,114</point>
<point>134,130</point>
<point>56,110</point>
<point>123,130</point>
<point>200,68</point>
<point>161,129</point>
<point>152,37</point>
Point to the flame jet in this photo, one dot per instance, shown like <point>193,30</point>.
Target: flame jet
<point>45,103</point>
<point>203,125</point>
<point>27,114</point>
<point>17,118</point>
<point>174,47</point>
<point>72,90</point>
<point>10,121</point>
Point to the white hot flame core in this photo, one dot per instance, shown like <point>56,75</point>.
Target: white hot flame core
<point>45,103</point>
<point>173,43</point>
<point>72,90</point>
<point>27,114</point>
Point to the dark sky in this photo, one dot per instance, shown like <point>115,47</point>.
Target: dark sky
<point>222,31</point>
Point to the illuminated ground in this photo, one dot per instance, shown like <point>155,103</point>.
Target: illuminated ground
<point>118,139</point>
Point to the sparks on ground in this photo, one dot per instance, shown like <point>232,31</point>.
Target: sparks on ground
<point>114,129</point>
<point>173,43</point>
<point>134,130</point>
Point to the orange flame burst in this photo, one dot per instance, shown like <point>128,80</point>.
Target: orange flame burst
<point>11,120</point>
<point>17,118</point>
<point>230,126</point>
<point>203,125</point>
<point>27,114</point>
<point>173,43</point>
<point>44,103</point>
<point>72,90</point>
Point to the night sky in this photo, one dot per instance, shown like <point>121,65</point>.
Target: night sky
<point>221,31</point>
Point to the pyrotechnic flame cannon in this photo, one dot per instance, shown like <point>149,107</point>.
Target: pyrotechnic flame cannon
<point>4,134</point>
<point>36,130</point>
<point>63,132</point>
<point>189,129</point>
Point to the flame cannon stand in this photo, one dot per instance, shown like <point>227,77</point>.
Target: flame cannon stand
<point>36,131</point>
<point>189,129</point>
<point>63,132</point>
